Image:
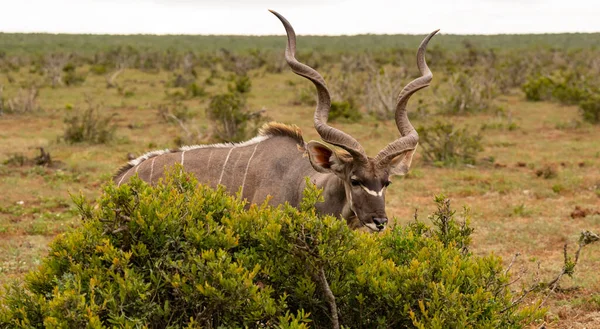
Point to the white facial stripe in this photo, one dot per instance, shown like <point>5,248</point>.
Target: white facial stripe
<point>371,192</point>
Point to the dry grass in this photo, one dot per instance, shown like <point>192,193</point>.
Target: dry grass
<point>514,210</point>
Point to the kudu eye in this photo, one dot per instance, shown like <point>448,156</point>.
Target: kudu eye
<point>354,182</point>
<point>386,184</point>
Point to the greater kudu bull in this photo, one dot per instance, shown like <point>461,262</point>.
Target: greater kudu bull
<point>277,161</point>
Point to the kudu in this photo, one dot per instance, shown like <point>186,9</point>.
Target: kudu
<point>277,161</point>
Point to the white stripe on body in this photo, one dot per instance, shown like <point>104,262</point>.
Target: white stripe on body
<point>122,177</point>
<point>225,165</point>
<point>248,166</point>
<point>152,168</point>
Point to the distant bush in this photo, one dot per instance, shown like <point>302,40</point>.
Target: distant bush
<point>232,122</point>
<point>71,77</point>
<point>538,88</point>
<point>193,90</point>
<point>89,125</point>
<point>590,109</point>
<point>444,144</point>
<point>98,69</point>
<point>561,86</point>
<point>24,102</point>
<point>468,94</point>
<point>175,112</point>
<point>182,255</point>
<point>346,111</point>
<point>241,84</point>
<point>306,96</point>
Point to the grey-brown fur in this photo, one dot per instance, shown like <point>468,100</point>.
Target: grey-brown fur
<point>254,166</point>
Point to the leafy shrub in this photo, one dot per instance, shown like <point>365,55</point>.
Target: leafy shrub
<point>231,121</point>
<point>89,125</point>
<point>241,84</point>
<point>564,87</point>
<point>176,112</point>
<point>70,76</point>
<point>98,69</point>
<point>306,96</point>
<point>193,90</point>
<point>183,255</point>
<point>447,145</point>
<point>590,109</point>
<point>538,88</point>
<point>468,94</point>
<point>345,111</point>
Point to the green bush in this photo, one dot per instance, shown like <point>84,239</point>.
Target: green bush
<point>447,145</point>
<point>306,96</point>
<point>345,111</point>
<point>231,121</point>
<point>538,88</point>
<point>241,84</point>
<point>590,109</point>
<point>89,125</point>
<point>468,93</point>
<point>98,69</point>
<point>182,255</point>
<point>563,86</point>
<point>193,90</point>
<point>71,77</point>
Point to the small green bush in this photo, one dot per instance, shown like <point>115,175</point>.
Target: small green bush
<point>98,69</point>
<point>538,88</point>
<point>590,109</point>
<point>563,86</point>
<point>193,90</point>
<point>442,143</point>
<point>89,125</point>
<point>345,111</point>
<point>71,77</point>
<point>231,121</point>
<point>241,84</point>
<point>176,112</point>
<point>468,94</point>
<point>182,255</point>
<point>306,96</point>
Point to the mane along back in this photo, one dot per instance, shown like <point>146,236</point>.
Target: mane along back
<point>268,130</point>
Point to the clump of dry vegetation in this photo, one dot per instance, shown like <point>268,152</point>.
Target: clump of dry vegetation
<point>89,125</point>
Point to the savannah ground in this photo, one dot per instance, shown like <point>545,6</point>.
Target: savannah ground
<point>515,206</point>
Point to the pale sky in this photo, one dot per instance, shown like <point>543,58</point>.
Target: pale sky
<point>332,17</point>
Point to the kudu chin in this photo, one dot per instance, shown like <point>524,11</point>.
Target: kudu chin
<point>277,161</point>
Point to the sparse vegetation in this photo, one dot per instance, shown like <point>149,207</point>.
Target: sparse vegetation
<point>469,93</point>
<point>25,101</point>
<point>445,144</point>
<point>232,121</point>
<point>89,125</point>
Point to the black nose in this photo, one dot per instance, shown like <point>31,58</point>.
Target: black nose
<point>380,222</point>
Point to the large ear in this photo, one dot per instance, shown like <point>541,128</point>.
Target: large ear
<point>323,159</point>
<point>401,164</point>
